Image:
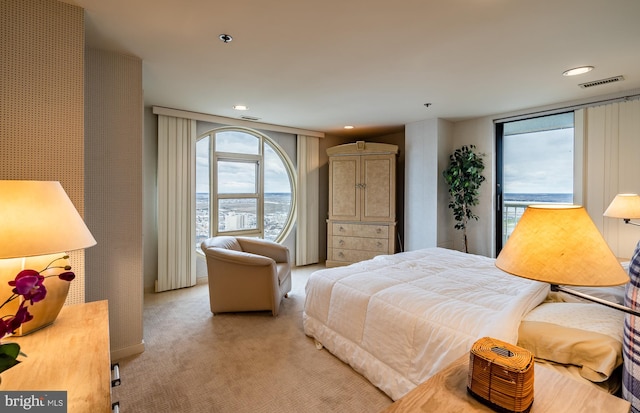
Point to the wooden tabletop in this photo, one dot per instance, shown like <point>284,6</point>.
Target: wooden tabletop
<point>70,355</point>
<point>553,392</point>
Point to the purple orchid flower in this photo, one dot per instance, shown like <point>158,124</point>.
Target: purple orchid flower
<point>29,284</point>
<point>22,316</point>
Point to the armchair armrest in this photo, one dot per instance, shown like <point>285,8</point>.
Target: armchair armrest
<point>277,252</point>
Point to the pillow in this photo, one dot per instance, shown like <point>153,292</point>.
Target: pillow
<point>586,335</point>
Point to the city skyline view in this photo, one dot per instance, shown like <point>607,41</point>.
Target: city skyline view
<point>242,215</point>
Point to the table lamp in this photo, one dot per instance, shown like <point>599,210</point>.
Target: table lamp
<point>560,245</point>
<point>38,225</point>
<point>625,206</point>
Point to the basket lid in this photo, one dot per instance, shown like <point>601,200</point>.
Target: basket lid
<point>502,353</point>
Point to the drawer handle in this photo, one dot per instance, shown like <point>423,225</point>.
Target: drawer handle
<point>341,242</point>
<point>341,255</point>
<point>341,229</point>
<point>115,374</point>
<point>115,407</point>
<point>378,230</point>
<point>379,244</point>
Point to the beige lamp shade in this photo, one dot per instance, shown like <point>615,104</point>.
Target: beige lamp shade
<point>625,206</point>
<point>38,218</point>
<point>560,245</point>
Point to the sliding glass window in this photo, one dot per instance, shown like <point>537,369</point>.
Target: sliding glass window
<point>535,165</point>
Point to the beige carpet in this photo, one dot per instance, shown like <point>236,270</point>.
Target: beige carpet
<point>244,362</point>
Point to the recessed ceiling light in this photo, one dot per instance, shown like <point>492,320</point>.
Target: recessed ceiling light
<point>577,71</point>
<point>348,127</point>
<point>240,107</point>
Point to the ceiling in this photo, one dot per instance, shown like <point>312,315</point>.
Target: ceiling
<point>373,64</point>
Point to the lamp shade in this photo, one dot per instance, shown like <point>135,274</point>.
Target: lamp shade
<point>38,218</point>
<point>626,206</point>
<point>560,245</point>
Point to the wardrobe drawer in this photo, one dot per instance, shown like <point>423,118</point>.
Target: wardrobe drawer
<point>344,255</point>
<point>359,243</point>
<point>360,230</point>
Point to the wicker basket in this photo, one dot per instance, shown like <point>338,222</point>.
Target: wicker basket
<point>501,375</point>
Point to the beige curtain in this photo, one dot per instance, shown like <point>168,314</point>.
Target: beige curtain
<point>612,145</point>
<point>176,203</point>
<point>307,243</point>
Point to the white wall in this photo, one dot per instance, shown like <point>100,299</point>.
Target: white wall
<point>446,237</point>
<point>612,142</point>
<point>421,183</point>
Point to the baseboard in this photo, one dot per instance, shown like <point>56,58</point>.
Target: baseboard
<point>127,351</point>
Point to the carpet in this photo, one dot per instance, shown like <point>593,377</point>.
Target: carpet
<point>237,362</point>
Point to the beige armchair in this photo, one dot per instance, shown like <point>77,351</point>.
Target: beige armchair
<point>246,274</point>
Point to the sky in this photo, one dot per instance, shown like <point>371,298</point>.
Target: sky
<point>239,177</point>
<point>539,162</point>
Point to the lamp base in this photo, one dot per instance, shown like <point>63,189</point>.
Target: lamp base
<point>46,311</point>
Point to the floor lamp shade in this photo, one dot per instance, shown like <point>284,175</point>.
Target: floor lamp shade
<point>38,226</point>
<point>560,245</point>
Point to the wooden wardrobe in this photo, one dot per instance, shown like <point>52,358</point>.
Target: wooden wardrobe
<point>362,202</point>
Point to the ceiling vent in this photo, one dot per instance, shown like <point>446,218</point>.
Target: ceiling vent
<point>601,82</point>
<point>249,118</point>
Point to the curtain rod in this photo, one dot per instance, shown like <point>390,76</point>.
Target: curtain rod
<point>568,108</point>
<point>160,110</point>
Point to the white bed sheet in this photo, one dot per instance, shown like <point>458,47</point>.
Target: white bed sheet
<point>399,319</point>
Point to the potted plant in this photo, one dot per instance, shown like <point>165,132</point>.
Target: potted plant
<point>464,177</point>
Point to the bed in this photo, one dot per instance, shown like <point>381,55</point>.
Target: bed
<point>399,319</point>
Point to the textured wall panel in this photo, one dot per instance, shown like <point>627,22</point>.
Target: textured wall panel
<point>42,101</point>
<point>113,162</point>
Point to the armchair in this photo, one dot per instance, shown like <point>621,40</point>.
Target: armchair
<point>246,274</point>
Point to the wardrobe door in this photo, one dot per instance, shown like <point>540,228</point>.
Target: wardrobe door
<point>344,188</point>
<point>378,188</point>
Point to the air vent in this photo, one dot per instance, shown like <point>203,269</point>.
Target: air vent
<point>601,82</point>
<point>249,118</point>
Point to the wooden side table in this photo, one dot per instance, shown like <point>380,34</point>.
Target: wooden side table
<point>70,355</point>
<point>447,392</point>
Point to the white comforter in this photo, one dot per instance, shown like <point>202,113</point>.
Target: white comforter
<point>398,319</point>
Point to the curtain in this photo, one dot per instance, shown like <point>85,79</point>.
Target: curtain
<point>307,239</point>
<point>612,146</point>
<point>176,203</point>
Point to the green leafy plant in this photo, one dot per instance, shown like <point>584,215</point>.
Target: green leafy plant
<point>464,177</point>
<point>28,285</point>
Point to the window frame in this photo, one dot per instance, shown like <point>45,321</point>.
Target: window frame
<point>578,164</point>
<point>259,195</point>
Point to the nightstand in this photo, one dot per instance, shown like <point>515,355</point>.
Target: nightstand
<point>70,355</point>
<point>553,392</point>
